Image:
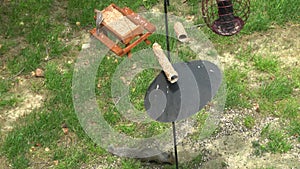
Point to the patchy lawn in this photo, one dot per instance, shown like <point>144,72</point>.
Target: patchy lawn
<point>260,125</point>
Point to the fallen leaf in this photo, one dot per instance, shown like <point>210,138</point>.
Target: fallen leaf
<point>123,79</point>
<point>39,73</point>
<point>38,144</point>
<point>256,107</point>
<point>190,17</point>
<point>32,149</point>
<point>133,66</point>
<point>55,162</point>
<point>99,85</point>
<point>65,130</point>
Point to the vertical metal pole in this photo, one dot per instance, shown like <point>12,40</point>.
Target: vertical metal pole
<point>166,4</point>
<point>175,144</point>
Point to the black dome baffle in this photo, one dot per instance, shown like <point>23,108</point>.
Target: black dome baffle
<point>197,84</point>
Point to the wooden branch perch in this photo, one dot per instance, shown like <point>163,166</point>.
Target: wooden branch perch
<point>164,62</point>
<point>180,32</point>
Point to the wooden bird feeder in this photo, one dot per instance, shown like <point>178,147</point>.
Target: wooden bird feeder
<point>126,26</point>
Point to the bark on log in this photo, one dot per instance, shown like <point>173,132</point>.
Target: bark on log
<point>180,32</point>
<point>164,62</point>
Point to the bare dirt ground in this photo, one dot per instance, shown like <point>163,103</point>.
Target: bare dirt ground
<point>29,102</point>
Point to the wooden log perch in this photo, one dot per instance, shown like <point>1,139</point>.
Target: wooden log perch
<point>180,32</point>
<point>164,62</point>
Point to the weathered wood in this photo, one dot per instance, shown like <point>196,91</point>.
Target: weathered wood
<point>180,32</point>
<point>127,26</point>
<point>109,43</point>
<point>167,67</point>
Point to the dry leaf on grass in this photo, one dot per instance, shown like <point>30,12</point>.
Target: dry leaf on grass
<point>38,73</point>
<point>65,128</point>
<point>256,107</point>
<point>55,162</point>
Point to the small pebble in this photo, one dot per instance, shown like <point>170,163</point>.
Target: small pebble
<point>85,46</point>
<point>47,149</point>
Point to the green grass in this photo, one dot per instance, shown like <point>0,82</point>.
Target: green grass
<point>25,17</point>
<point>269,64</point>
<point>277,89</point>
<point>274,84</point>
<point>276,141</point>
<point>31,58</point>
<point>139,86</point>
<point>81,11</point>
<point>10,102</point>
<point>32,21</point>
<point>129,164</point>
<point>288,108</point>
<point>5,85</point>
<point>266,13</point>
<point>294,129</point>
<point>31,31</point>
<point>18,143</point>
<point>237,95</point>
<point>249,121</point>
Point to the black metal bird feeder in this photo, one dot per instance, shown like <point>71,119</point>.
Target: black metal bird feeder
<point>225,17</point>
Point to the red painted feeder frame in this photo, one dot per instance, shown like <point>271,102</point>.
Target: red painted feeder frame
<point>141,29</point>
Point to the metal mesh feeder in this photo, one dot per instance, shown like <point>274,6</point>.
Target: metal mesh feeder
<point>225,17</point>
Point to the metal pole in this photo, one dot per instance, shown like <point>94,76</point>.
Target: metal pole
<point>166,4</point>
<point>175,146</point>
